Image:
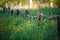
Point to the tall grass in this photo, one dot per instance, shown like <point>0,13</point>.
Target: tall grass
<point>21,28</point>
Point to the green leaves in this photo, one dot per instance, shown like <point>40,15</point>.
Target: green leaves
<point>18,28</point>
<point>57,3</point>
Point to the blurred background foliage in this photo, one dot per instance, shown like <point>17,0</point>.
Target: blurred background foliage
<point>55,2</point>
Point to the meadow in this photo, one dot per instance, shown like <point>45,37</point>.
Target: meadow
<point>24,28</point>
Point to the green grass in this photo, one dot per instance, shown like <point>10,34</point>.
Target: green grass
<point>21,28</point>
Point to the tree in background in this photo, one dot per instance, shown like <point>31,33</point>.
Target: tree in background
<point>56,3</point>
<point>3,3</point>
